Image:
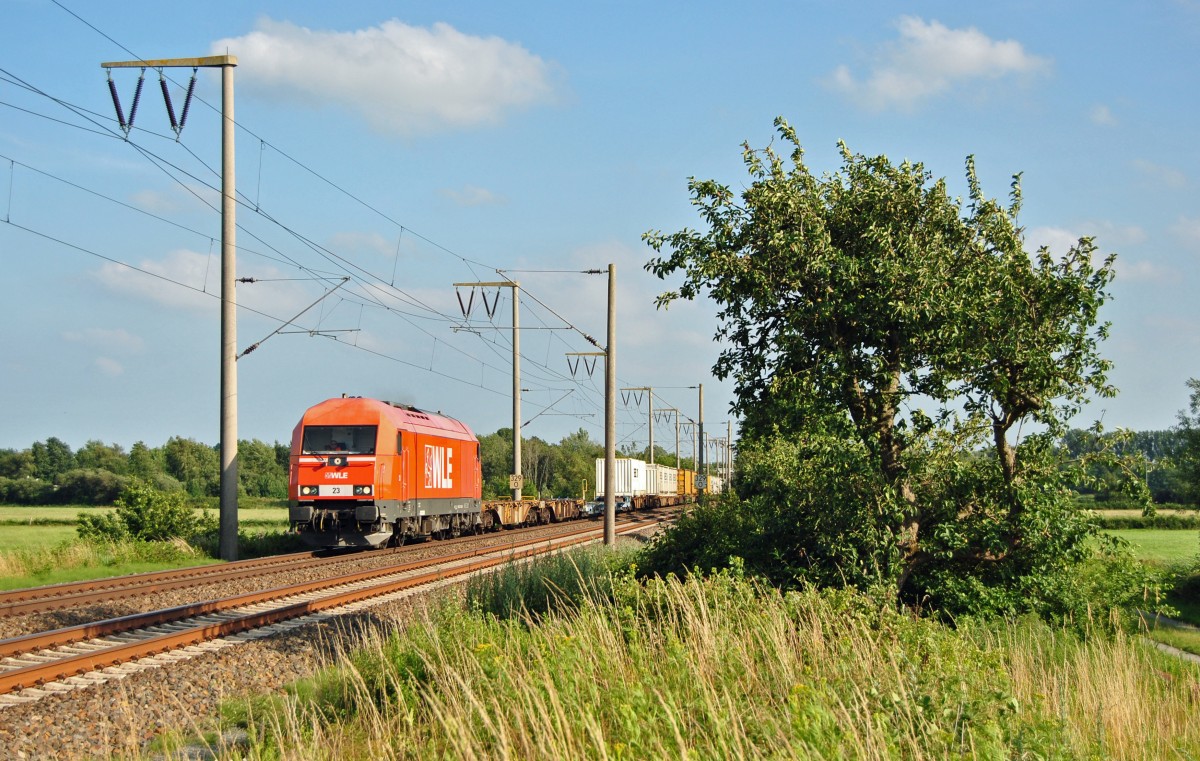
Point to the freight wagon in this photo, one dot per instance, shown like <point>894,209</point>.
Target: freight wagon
<point>646,484</point>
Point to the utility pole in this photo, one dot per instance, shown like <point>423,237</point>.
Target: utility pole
<point>516,480</point>
<point>728,452</point>
<point>702,465</point>
<point>674,410</point>
<point>650,393</point>
<point>610,413</point>
<point>610,405</point>
<point>227,543</point>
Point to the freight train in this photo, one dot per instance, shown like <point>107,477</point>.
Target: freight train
<point>369,473</point>
<point>648,484</point>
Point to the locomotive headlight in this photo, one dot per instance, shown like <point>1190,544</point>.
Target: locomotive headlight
<point>362,490</point>
<point>308,491</point>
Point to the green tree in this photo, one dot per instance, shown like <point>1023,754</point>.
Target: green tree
<point>495,454</point>
<point>97,455</point>
<point>52,458</point>
<point>577,455</point>
<point>539,461</point>
<point>259,471</point>
<point>16,464</point>
<point>886,346</point>
<point>197,466</point>
<point>1189,443</point>
<point>144,462</point>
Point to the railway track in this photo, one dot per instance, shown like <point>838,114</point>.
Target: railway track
<point>71,656</point>
<point>60,596</point>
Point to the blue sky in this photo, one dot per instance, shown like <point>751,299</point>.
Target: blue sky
<point>412,145</point>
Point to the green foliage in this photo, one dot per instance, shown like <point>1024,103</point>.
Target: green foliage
<point>196,465</point>
<point>145,514</point>
<point>14,464</point>
<point>551,470</point>
<point>93,486</point>
<point>96,455</point>
<point>888,347</point>
<point>25,491</point>
<point>555,583</point>
<point>1189,433</point>
<point>51,458</point>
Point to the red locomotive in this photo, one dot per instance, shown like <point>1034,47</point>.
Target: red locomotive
<point>366,473</point>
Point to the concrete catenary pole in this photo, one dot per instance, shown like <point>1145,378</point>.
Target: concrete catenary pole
<point>728,452</point>
<point>518,488</point>
<point>227,541</point>
<point>701,466</point>
<point>610,413</point>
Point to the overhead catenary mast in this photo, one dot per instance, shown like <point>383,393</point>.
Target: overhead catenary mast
<point>228,542</point>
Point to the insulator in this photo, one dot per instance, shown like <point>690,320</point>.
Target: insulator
<point>187,100</point>
<point>112,88</point>
<point>137,95</point>
<point>167,99</point>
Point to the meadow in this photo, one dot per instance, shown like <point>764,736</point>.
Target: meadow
<point>39,545</point>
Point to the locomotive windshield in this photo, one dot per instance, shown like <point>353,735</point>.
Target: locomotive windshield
<point>331,439</point>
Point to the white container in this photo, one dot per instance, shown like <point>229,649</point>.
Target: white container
<point>629,478</point>
<point>664,480</point>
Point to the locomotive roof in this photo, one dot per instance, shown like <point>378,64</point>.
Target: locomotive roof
<point>357,410</point>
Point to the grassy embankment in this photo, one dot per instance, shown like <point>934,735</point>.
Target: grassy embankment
<point>722,669</point>
<point>39,545</point>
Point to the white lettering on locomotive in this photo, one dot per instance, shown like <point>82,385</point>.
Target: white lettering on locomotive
<point>439,469</point>
<point>337,475</point>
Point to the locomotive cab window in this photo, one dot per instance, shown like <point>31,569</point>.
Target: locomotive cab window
<point>334,439</point>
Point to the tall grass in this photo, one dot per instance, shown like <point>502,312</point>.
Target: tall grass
<point>723,668</point>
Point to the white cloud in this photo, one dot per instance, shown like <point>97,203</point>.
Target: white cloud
<point>1102,115</point>
<point>1108,237</point>
<point>402,79</point>
<point>109,367</point>
<point>1142,271</point>
<point>117,340</point>
<point>349,242</point>
<point>1159,174</point>
<point>471,195</point>
<point>1187,230</point>
<point>190,280</point>
<point>164,283</point>
<point>931,59</point>
<point>195,196</point>
<point>1058,240</point>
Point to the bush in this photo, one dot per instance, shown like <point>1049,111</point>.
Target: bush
<point>89,486</point>
<point>148,515</point>
<point>25,491</point>
<point>1110,522</point>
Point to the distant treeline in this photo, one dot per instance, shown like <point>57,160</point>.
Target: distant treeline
<point>1157,460</point>
<point>49,472</point>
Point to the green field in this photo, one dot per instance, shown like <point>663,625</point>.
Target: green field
<point>1162,546</point>
<point>254,515</point>
<point>17,537</point>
